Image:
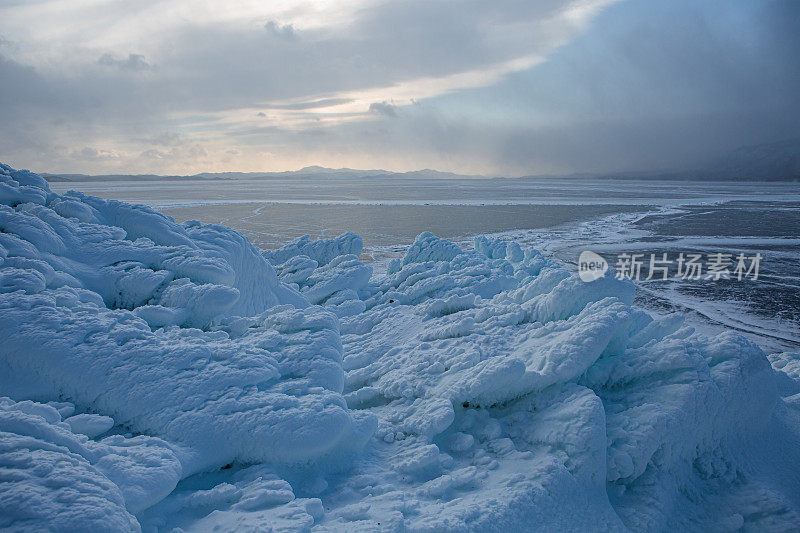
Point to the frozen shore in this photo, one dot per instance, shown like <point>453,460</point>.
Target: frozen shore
<point>157,375</point>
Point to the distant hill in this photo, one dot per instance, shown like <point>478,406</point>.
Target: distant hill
<point>324,172</point>
<point>429,173</point>
<point>312,172</point>
<point>305,172</point>
<point>777,161</point>
<point>116,177</point>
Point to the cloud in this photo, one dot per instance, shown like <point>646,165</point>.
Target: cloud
<point>220,69</point>
<point>191,152</point>
<point>93,154</point>
<point>500,87</point>
<point>383,108</point>
<point>310,104</point>
<point>282,31</point>
<point>135,62</point>
<point>165,139</point>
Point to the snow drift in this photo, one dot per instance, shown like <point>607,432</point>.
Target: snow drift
<point>158,375</point>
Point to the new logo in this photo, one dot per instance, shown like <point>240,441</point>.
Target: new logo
<point>591,266</point>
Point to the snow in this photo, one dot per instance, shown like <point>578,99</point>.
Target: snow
<point>89,424</point>
<point>158,375</point>
<point>57,479</point>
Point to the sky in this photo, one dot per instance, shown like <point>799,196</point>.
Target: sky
<point>508,87</point>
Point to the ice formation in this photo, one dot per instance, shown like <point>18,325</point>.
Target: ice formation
<point>157,375</point>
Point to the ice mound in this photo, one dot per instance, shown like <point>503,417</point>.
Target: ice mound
<point>327,271</point>
<point>178,331</point>
<point>162,375</point>
<point>497,376</point>
<point>56,478</point>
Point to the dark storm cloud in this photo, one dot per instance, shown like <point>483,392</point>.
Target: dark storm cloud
<point>655,86</point>
<point>665,85</point>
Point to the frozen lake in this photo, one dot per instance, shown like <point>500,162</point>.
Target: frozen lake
<point>378,191</point>
<point>562,217</point>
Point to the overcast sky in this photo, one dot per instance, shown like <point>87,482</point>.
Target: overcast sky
<point>507,87</point>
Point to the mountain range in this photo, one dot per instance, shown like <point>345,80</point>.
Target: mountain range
<point>777,161</point>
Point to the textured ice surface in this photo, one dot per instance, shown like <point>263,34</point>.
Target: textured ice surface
<point>159,375</point>
<point>56,479</point>
<point>183,332</point>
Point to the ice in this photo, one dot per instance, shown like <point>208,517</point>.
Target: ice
<point>321,251</point>
<point>59,480</point>
<point>158,375</point>
<point>105,312</point>
<point>89,424</point>
<point>326,272</point>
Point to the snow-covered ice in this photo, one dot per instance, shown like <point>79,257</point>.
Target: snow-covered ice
<point>157,375</point>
